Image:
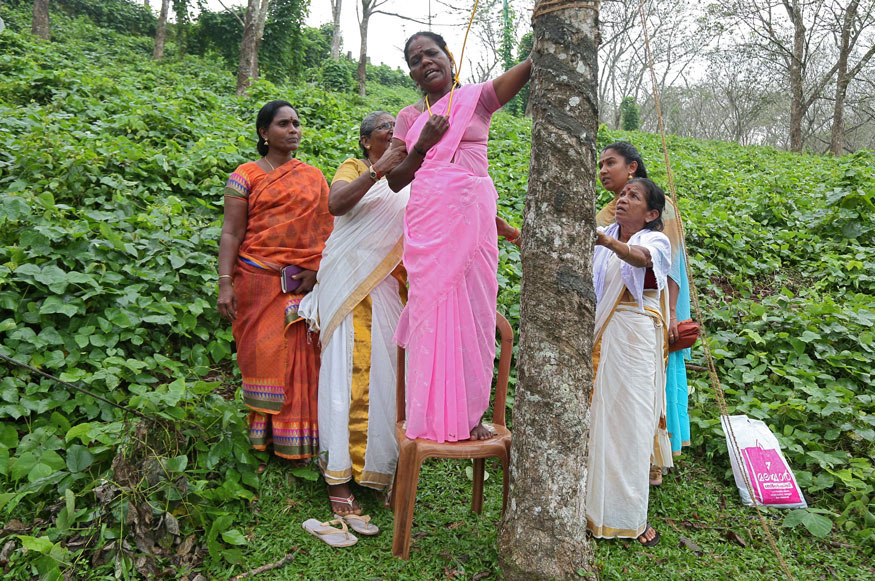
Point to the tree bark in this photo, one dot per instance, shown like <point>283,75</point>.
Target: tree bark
<point>161,31</point>
<point>40,24</point>
<point>797,106</point>
<point>361,73</point>
<point>335,34</point>
<point>543,533</point>
<point>247,47</point>
<point>260,22</point>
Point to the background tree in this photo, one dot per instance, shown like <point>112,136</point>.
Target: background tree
<point>161,31</point>
<point>811,42</point>
<point>40,24</point>
<point>335,30</point>
<point>855,21</point>
<point>368,8</point>
<point>248,62</point>
<point>629,114</point>
<point>543,533</point>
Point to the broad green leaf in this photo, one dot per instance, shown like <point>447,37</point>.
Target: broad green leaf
<point>38,544</point>
<point>177,464</point>
<point>23,465</point>
<point>79,431</point>
<point>8,436</point>
<point>78,458</point>
<point>234,537</point>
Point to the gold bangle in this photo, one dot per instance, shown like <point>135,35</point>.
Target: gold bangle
<point>628,251</point>
<point>221,276</point>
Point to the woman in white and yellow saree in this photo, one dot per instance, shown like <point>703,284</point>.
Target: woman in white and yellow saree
<point>630,264</point>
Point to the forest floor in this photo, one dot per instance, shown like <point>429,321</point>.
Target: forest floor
<point>706,533</point>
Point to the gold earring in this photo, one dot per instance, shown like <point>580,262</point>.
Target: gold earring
<point>268,143</point>
<point>367,146</point>
<point>631,175</point>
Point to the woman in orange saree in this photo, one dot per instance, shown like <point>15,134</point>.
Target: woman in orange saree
<point>276,215</point>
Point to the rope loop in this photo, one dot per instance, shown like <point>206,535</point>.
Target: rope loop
<point>548,6</point>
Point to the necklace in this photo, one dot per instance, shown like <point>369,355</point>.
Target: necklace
<point>267,161</point>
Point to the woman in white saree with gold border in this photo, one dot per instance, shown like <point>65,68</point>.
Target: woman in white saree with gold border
<point>356,303</point>
<point>630,264</point>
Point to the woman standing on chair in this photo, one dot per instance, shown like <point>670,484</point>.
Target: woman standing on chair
<point>450,248</point>
<point>619,163</point>
<point>356,305</point>
<point>630,266</point>
<point>276,216</point>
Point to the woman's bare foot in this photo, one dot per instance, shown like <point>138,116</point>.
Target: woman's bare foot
<point>481,432</point>
<point>336,494</point>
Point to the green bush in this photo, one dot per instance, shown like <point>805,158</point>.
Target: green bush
<point>338,76</point>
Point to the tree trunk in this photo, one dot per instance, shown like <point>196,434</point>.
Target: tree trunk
<point>367,6</point>
<point>797,98</point>
<point>161,31</point>
<point>543,533</point>
<point>335,34</point>
<point>247,47</point>
<point>260,22</point>
<point>40,25</point>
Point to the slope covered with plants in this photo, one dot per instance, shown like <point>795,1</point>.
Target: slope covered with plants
<point>112,167</point>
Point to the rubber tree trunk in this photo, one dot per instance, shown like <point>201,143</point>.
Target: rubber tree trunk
<point>797,97</point>
<point>543,533</point>
<point>161,31</point>
<point>247,47</point>
<point>260,22</point>
<point>361,73</point>
<point>40,24</point>
<point>335,34</point>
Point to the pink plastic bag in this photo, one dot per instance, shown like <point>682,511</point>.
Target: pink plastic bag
<point>771,479</point>
<point>773,483</point>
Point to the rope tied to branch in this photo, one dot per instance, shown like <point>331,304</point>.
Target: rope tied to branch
<point>548,6</point>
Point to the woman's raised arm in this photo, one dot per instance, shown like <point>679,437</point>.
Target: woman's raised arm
<point>510,82</point>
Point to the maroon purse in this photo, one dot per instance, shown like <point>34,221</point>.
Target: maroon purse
<point>688,332</point>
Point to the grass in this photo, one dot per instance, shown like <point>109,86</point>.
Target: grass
<point>706,533</point>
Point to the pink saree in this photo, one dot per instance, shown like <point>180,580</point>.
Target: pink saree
<point>451,256</point>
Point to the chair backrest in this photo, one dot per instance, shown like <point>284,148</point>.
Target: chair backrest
<point>505,332</point>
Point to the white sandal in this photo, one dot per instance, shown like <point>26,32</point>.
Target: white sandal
<point>359,523</point>
<point>332,536</point>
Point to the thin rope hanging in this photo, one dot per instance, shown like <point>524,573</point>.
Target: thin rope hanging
<point>712,368</point>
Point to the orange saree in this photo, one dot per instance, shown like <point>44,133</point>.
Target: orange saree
<point>288,223</point>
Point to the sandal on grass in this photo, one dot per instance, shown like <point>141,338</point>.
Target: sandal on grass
<point>359,523</point>
<point>332,536</point>
<point>651,542</point>
<point>655,476</point>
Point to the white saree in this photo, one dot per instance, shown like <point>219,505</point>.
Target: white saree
<point>628,401</point>
<point>356,305</point>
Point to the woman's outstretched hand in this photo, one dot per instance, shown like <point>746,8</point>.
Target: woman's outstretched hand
<point>227,304</point>
<point>434,129</point>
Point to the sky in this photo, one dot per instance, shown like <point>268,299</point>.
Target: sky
<point>387,34</point>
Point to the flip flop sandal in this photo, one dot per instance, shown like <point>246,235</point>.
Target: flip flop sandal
<point>655,476</point>
<point>330,535</point>
<point>652,542</point>
<point>340,500</point>
<point>360,523</point>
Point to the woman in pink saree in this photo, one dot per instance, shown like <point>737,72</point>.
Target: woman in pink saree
<point>450,243</point>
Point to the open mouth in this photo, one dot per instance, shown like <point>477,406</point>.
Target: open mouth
<point>430,73</point>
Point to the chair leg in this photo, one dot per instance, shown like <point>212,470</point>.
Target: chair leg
<point>406,481</point>
<point>477,492</point>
